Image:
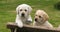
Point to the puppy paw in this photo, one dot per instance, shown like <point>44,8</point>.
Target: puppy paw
<point>29,21</point>
<point>20,25</point>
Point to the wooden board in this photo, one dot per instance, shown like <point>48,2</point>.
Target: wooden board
<point>27,28</point>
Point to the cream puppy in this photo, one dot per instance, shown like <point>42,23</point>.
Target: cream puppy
<point>23,15</point>
<point>41,19</point>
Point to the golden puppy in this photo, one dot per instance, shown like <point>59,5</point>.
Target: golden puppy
<point>41,19</point>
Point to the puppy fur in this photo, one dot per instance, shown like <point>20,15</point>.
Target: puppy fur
<point>41,19</point>
<point>23,15</point>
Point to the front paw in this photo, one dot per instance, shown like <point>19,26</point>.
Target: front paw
<point>29,20</point>
<point>20,25</point>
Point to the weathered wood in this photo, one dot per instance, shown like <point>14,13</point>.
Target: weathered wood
<point>28,28</point>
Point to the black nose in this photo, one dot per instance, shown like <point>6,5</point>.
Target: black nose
<point>35,19</point>
<point>22,14</point>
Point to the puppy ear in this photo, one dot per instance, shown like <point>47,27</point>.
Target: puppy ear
<point>30,9</point>
<point>17,10</point>
<point>45,16</point>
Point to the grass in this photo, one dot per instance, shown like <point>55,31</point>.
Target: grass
<point>8,13</point>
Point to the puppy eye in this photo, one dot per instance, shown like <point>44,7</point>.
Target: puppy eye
<point>20,9</point>
<point>25,10</point>
<point>39,16</point>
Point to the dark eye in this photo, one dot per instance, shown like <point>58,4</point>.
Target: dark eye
<point>20,9</point>
<point>25,10</point>
<point>39,16</point>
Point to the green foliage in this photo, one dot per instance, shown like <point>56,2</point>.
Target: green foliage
<point>57,6</point>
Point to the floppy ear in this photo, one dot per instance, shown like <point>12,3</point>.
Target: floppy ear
<point>30,9</point>
<point>46,17</point>
<point>17,10</point>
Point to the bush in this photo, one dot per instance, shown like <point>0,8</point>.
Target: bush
<point>57,5</point>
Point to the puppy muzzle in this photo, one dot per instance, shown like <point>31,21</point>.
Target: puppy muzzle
<point>35,19</point>
<point>23,15</point>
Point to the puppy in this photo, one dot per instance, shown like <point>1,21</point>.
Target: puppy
<point>23,15</point>
<point>41,19</point>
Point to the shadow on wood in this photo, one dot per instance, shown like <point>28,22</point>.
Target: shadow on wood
<point>27,28</point>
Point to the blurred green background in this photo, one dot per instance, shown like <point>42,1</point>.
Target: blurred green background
<point>8,11</point>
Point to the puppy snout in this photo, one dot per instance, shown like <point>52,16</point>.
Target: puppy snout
<point>22,14</point>
<point>35,19</point>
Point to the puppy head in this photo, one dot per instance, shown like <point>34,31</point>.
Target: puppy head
<point>23,10</point>
<point>41,16</point>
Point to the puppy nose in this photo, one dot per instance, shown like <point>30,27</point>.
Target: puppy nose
<point>35,19</point>
<point>22,14</point>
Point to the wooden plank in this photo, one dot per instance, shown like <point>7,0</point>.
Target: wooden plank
<point>28,28</point>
